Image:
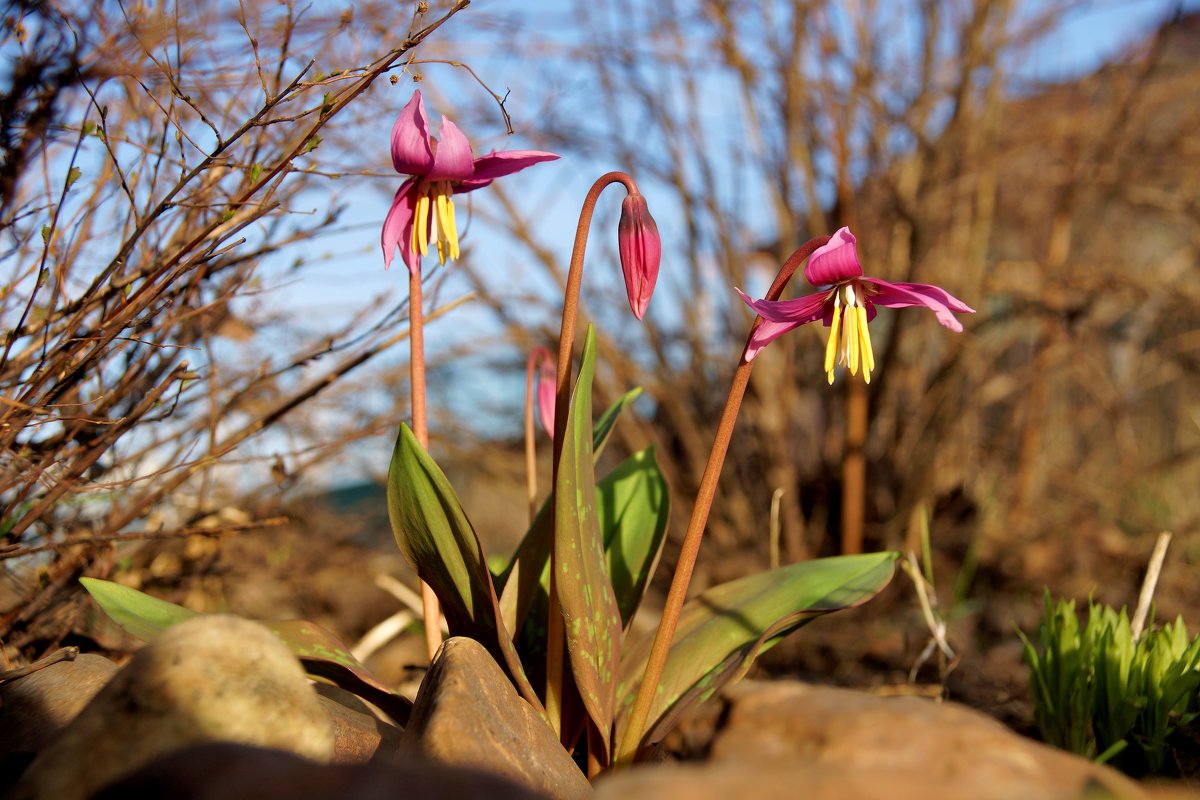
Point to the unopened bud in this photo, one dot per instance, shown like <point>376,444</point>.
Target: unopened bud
<point>641,250</point>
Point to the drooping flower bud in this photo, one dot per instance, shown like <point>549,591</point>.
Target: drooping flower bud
<point>641,249</point>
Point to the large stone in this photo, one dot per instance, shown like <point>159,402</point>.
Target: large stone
<point>790,739</point>
<point>357,732</point>
<point>468,714</point>
<point>237,772</point>
<point>37,706</point>
<point>212,678</point>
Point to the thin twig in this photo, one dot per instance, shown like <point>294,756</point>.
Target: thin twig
<point>1153,570</point>
<point>65,654</point>
<point>132,536</point>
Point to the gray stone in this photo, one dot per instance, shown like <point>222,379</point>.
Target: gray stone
<point>37,706</point>
<point>468,714</point>
<point>212,678</point>
<point>789,739</point>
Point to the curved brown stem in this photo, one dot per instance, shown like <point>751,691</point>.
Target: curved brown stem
<point>635,727</point>
<point>562,399</point>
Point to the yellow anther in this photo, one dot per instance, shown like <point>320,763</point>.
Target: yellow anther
<point>450,226</point>
<point>420,229</point>
<point>851,338</point>
<point>864,336</point>
<point>447,234</point>
<point>831,347</point>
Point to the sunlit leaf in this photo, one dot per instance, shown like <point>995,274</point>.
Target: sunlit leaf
<point>633,506</point>
<point>604,425</point>
<point>436,537</point>
<point>137,612</point>
<point>725,628</point>
<point>589,607</point>
<point>319,651</point>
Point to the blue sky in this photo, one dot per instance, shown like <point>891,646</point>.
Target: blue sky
<point>347,267</point>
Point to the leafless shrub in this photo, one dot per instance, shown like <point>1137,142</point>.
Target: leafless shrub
<point>1066,214</point>
<point>154,165</point>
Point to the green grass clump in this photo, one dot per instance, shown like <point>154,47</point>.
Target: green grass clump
<point>1102,694</point>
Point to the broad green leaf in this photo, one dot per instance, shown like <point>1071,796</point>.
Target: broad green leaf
<point>589,607</point>
<point>604,426</point>
<point>633,505</point>
<point>321,653</point>
<point>436,537</point>
<point>725,628</point>
<point>518,582</point>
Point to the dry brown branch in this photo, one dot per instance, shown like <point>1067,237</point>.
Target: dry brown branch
<point>155,168</point>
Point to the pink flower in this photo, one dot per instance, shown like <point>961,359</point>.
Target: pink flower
<point>422,212</point>
<point>547,386</point>
<point>846,305</point>
<point>641,249</point>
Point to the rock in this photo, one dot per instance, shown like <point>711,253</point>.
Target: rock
<point>212,678</point>
<point>836,744</point>
<point>238,772</point>
<point>39,705</point>
<point>468,714</point>
<point>357,732</point>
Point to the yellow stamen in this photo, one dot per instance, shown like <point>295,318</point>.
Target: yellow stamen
<point>420,230</point>
<point>864,336</point>
<point>447,236</point>
<point>831,346</point>
<point>851,337</point>
<point>451,227</point>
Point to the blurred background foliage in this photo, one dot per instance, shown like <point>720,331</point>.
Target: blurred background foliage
<point>1052,439</point>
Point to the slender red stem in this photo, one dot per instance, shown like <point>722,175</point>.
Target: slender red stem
<point>430,612</point>
<point>635,728</point>
<point>562,398</point>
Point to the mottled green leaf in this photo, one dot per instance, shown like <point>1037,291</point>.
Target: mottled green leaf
<point>591,617</point>
<point>321,653</point>
<point>519,581</point>
<point>436,537</point>
<point>725,628</point>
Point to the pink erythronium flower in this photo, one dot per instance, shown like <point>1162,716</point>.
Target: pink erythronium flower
<point>846,304</point>
<point>422,212</point>
<point>640,249</point>
<point>547,386</point>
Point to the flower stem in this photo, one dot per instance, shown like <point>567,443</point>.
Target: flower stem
<point>635,728</point>
<point>430,612</point>
<point>555,635</point>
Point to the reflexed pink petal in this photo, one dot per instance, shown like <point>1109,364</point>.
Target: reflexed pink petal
<point>905,295</point>
<point>641,249</point>
<point>397,227</point>
<point>799,311</point>
<point>835,261</point>
<point>766,333</point>
<point>411,151</point>
<point>452,160</point>
<point>497,165</point>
